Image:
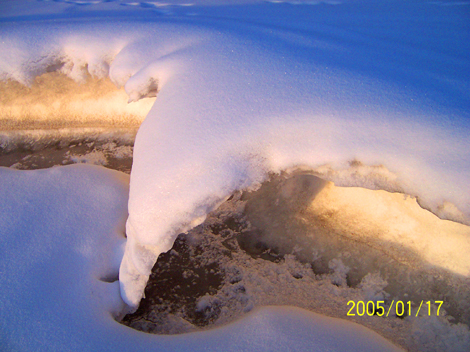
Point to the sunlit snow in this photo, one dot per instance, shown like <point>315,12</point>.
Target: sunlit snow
<point>369,94</point>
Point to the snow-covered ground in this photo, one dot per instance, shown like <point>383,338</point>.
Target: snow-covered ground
<point>62,239</point>
<point>370,94</point>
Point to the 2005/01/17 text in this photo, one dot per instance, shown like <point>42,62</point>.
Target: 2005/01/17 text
<point>401,308</point>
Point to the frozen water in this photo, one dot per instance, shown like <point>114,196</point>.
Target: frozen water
<point>358,233</point>
<point>271,247</point>
<point>55,101</point>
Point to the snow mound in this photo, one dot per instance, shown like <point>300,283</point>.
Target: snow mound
<point>249,100</point>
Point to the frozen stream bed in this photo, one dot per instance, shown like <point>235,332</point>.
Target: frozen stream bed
<point>286,158</point>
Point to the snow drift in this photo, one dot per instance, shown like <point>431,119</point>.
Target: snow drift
<point>249,99</point>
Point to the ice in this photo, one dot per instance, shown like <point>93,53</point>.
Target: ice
<point>55,101</point>
<point>373,286</point>
<point>230,265</point>
<point>427,330</point>
<point>382,242</point>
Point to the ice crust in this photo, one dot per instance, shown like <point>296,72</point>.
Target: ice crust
<point>272,247</point>
<point>264,87</point>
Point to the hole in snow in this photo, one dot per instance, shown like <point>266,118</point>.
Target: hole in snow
<point>110,278</point>
<point>299,240</point>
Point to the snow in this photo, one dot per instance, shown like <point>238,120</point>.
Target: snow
<point>62,238</point>
<point>371,94</point>
<point>247,100</point>
<point>54,226</point>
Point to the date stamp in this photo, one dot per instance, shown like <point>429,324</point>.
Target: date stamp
<point>398,308</point>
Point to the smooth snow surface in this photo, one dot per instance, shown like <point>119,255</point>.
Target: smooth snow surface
<point>62,237</point>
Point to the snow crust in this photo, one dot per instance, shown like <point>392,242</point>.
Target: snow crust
<point>62,239</point>
<point>244,90</point>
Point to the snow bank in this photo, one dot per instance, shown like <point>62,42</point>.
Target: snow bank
<point>253,99</point>
<point>244,90</point>
<point>62,238</point>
